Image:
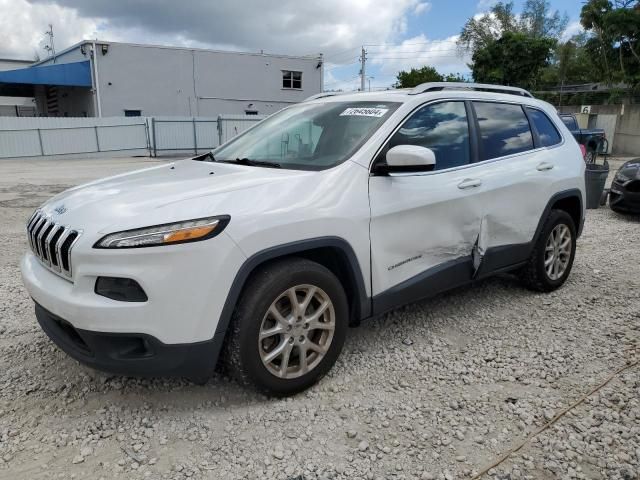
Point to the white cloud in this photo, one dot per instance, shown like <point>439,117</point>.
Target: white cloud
<point>421,8</point>
<point>287,26</point>
<point>23,25</point>
<point>346,82</point>
<point>574,28</point>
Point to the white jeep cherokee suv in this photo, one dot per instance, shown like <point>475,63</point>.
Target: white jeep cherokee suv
<point>340,208</point>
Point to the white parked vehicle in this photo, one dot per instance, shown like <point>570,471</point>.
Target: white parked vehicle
<point>340,208</point>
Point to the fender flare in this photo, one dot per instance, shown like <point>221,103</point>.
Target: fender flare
<point>287,249</point>
<point>573,192</point>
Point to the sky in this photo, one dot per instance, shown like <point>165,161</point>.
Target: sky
<point>397,34</point>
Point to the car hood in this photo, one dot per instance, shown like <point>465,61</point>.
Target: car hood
<point>631,168</point>
<point>175,191</point>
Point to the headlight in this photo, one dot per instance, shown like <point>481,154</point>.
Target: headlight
<point>622,178</point>
<point>166,234</point>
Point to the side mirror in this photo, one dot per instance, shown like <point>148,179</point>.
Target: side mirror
<point>409,158</point>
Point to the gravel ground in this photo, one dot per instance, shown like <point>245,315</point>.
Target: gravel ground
<point>435,390</point>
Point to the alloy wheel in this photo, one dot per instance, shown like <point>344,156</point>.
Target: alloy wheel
<point>296,332</point>
<point>558,251</point>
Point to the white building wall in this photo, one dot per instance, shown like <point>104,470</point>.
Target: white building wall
<point>186,82</point>
<point>174,81</point>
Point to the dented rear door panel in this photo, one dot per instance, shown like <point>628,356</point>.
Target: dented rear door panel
<point>517,194</point>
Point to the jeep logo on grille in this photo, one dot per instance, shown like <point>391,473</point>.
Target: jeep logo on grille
<point>60,209</point>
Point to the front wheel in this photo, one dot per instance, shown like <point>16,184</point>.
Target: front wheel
<point>552,257</point>
<point>288,328</point>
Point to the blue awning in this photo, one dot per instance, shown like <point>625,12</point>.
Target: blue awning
<point>76,74</point>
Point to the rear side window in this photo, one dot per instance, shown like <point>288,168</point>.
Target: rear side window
<point>547,132</point>
<point>443,128</point>
<point>504,129</point>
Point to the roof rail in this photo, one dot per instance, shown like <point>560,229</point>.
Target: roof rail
<point>481,87</point>
<point>325,94</point>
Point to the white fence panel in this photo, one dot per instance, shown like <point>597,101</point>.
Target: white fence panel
<point>113,138</point>
<point>19,143</point>
<point>36,136</point>
<point>67,140</point>
<point>184,134</point>
<point>174,134</point>
<point>233,125</point>
<point>207,134</point>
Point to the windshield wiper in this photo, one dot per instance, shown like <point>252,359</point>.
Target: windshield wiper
<point>252,163</point>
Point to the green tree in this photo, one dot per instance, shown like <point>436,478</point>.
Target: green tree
<point>478,32</point>
<point>416,76</point>
<point>570,64</point>
<point>614,26</point>
<point>514,59</point>
<point>537,19</point>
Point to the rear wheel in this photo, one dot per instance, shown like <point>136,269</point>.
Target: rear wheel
<point>288,328</point>
<point>552,258</point>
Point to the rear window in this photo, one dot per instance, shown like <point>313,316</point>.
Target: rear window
<point>504,129</point>
<point>547,132</point>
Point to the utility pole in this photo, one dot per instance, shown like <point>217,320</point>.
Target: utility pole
<point>363,61</point>
<point>51,47</point>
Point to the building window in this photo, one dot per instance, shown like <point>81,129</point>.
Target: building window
<point>133,113</point>
<point>291,79</point>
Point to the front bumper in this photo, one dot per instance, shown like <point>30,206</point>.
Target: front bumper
<point>621,199</point>
<point>186,285</point>
<point>130,353</point>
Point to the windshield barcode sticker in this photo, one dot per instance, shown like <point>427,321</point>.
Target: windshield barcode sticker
<point>364,112</point>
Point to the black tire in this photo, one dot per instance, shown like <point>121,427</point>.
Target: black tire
<point>603,197</point>
<point>241,355</point>
<point>533,274</point>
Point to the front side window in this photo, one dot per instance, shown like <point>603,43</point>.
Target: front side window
<point>504,129</point>
<point>443,128</point>
<point>309,136</point>
<point>547,132</point>
<point>291,79</point>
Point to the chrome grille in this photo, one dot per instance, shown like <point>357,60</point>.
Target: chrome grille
<point>52,243</point>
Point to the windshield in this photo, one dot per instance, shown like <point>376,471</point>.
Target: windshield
<point>311,136</point>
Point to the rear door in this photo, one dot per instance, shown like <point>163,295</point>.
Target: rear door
<point>517,171</point>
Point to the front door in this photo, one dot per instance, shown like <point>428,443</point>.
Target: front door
<point>425,226</point>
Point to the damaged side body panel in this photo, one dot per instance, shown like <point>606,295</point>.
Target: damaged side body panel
<point>419,222</point>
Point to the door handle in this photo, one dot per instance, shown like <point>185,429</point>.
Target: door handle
<point>544,166</point>
<point>469,183</point>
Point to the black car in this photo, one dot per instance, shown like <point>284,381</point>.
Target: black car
<point>624,195</point>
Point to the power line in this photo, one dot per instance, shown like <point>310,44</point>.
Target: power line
<point>417,57</point>
<point>340,53</point>
<point>340,66</point>
<point>403,44</point>
<point>418,51</point>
